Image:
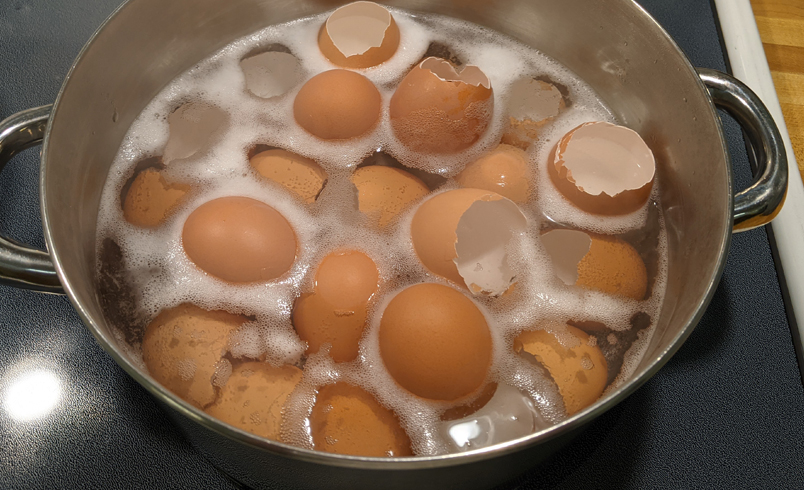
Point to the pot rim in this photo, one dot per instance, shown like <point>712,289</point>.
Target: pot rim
<point>375,463</point>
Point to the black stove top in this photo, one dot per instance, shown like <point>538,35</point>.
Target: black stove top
<point>726,411</point>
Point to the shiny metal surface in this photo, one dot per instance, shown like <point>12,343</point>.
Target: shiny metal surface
<point>614,46</point>
<point>761,202</point>
<point>20,265</point>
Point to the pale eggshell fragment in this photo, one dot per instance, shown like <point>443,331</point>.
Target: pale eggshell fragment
<point>504,170</point>
<point>151,199</point>
<point>359,35</point>
<point>463,235</point>
<point>566,248</point>
<point>194,126</point>
<point>270,74</point>
<point>531,105</point>
<point>438,109</point>
<point>603,168</point>
<point>300,175</point>
<point>384,192</point>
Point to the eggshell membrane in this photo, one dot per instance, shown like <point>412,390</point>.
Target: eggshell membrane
<point>435,342</point>
<point>579,369</point>
<point>613,266</point>
<point>336,312</point>
<point>436,109</point>
<point>150,199</point>
<point>348,420</point>
<point>193,127</point>
<point>532,105</point>
<point>467,409</point>
<point>504,170</point>
<point>365,30</point>
<point>270,74</point>
<point>337,104</point>
<point>240,240</point>
<point>253,397</point>
<point>182,346</point>
<point>601,154</point>
<point>384,192</point>
<point>300,175</point>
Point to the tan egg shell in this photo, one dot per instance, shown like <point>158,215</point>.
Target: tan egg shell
<point>603,168</point>
<point>435,342</point>
<point>348,420</point>
<point>436,109</point>
<point>337,104</point>
<point>300,175</point>
<point>359,35</point>
<point>532,105</point>
<point>384,192</point>
<point>254,396</point>
<point>150,199</point>
<point>182,347</point>
<point>504,170</point>
<point>578,368</point>
<point>239,239</point>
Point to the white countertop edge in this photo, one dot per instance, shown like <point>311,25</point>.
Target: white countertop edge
<point>748,63</point>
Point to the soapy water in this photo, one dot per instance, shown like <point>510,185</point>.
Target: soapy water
<point>145,271</point>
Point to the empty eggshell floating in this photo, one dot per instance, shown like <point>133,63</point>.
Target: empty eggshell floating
<point>335,312</point>
<point>603,168</point>
<point>438,109</point>
<point>253,397</point>
<point>300,175</point>
<point>192,128</point>
<point>602,263</point>
<point>183,346</point>
<point>575,364</point>
<point>531,105</point>
<point>504,170</point>
<point>150,199</point>
<point>270,74</point>
<point>337,104</point>
<point>348,420</point>
<point>239,239</point>
<point>463,235</point>
<point>435,342</point>
<point>359,35</point>
<point>384,192</point>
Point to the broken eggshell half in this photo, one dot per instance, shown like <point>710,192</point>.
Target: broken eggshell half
<point>270,74</point>
<point>193,128</point>
<point>603,168</point>
<point>464,235</point>
<point>359,35</point>
<point>532,104</point>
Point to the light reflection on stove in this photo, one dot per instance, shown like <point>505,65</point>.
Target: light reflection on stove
<point>32,395</point>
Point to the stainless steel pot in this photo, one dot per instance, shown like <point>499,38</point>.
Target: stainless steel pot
<point>614,45</point>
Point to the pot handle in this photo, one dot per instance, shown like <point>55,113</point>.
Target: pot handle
<point>23,266</point>
<point>761,202</point>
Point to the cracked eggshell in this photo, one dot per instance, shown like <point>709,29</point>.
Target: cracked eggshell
<point>253,397</point>
<point>151,199</point>
<point>603,168</point>
<point>300,175</point>
<point>359,35</point>
<point>603,263</point>
<point>504,170</point>
<point>384,192</point>
<point>532,104</point>
<point>348,420</point>
<point>578,368</point>
<point>183,346</point>
<point>438,109</point>
<point>193,127</point>
<point>270,74</point>
<point>463,234</point>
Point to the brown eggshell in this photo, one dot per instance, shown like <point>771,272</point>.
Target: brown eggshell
<point>613,266</point>
<point>578,368</point>
<point>337,104</point>
<point>253,397</point>
<point>240,240</point>
<point>150,199</point>
<point>193,127</point>
<point>467,409</point>
<point>592,143</point>
<point>300,175</point>
<point>441,113</point>
<point>384,192</point>
<point>366,31</point>
<point>435,342</point>
<point>504,170</point>
<point>347,278</point>
<point>348,420</point>
<point>182,347</point>
<point>532,105</point>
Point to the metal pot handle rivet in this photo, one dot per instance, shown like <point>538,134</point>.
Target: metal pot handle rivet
<point>762,200</point>
<point>23,266</point>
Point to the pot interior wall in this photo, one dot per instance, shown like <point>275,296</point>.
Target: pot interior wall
<point>620,52</point>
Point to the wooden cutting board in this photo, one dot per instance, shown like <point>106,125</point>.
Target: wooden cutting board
<point>781,26</point>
